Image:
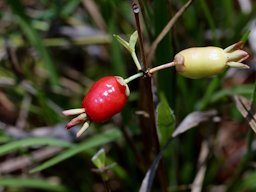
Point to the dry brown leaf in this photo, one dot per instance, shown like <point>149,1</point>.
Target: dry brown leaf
<point>192,120</point>
<point>244,106</point>
<point>198,181</point>
<point>22,162</point>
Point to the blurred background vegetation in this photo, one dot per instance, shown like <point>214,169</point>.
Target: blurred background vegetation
<point>51,52</point>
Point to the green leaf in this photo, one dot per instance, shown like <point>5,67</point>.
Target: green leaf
<point>123,42</point>
<point>209,18</point>
<point>245,36</point>
<point>238,90</point>
<point>24,22</point>
<point>9,147</point>
<point>31,183</point>
<point>99,159</point>
<point>92,142</point>
<point>130,47</point>
<point>213,85</point>
<point>69,7</point>
<point>246,184</point>
<point>133,40</point>
<point>165,120</point>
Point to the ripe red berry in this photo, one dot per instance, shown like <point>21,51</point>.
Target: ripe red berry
<point>105,98</point>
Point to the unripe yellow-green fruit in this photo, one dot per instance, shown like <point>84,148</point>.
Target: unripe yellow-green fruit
<point>199,62</point>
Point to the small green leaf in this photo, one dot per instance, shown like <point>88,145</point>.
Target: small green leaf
<point>165,120</point>
<point>123,42</point>
<point>11,146</point>
<point>245,36</point>
<point>92,142</point>
<point>31,183</point>
<point>133,40</point>
<point>99,159</point>
<point>131,47</point>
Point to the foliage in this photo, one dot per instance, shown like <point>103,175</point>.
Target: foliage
<point>51,52</point>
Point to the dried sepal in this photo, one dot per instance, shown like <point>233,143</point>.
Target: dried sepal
<point>234,47</point>
<point>77,120</point>
<point>81,118</point>
<point>83,129</point>
<point>73,112</point>
<point>237,65</point>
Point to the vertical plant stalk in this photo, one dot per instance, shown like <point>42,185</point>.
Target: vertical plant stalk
<point>146,104</point>
<point>136,11</point>
<point>106,185</point>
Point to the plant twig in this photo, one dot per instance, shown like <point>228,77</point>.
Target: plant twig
<point>106,185</point>
<point>136,11</point>
<point>165,31</point>
<point>146,103</point>
<point>161,67</point>
<point>149,72</point>
<point>135,76</point>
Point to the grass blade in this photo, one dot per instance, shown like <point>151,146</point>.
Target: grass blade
<point>11,146</point>
<point>210,20</point>
<point>95,141</point>
<point>69,7</point>
<point>239,90</point>
<point>31,183</point>
<point>25,24</point>
<point>247,183</point>
<point>213,85</point>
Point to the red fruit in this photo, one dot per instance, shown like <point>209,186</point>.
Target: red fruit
<point>105,98</point>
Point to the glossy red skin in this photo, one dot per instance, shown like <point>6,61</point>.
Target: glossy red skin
<point>105,98</point>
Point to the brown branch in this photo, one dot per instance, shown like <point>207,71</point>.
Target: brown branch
<point>146,104</point>
<point>136,11</point>
<point>166,29</point>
